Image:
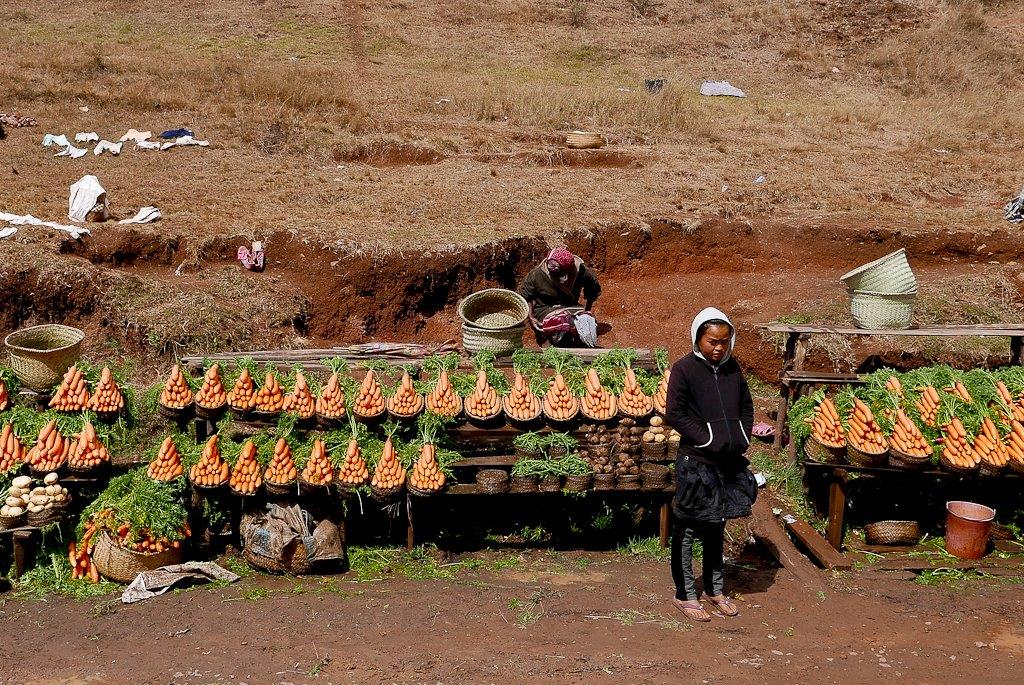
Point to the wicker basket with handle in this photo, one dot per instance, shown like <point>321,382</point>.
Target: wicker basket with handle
<point>117,563</point>
<point>40,355</point>
<point>892,533</point>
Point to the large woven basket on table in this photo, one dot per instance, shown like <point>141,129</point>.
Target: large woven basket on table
<point>892,533</point>
<point>902,460</point>
<point>40,355</point>
<point>890,274</point>
<point>875,310</point>
<point>861,458</point>
<point>492,481</point>
<point>296,560</point>
<point>116,563</point>
<point>823,454</point>
<point>493,320</point>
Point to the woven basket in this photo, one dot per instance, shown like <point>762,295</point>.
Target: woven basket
<point>881,310</point>
<point>902,460</point>
<point>636,417</point>
<point>257,416</point>
<point>296,564</point>
<point>97,470</point>
<point>328,423</point>
<point>413,490</point>
<point>406,418</point>
<point>116,563</point>
<point>495,420</point>
<point>654,476</point>
<point>579,483</point>
<point>823,454</point>
<point>8,522</point>
<point>892,533</point>
<point>492,481</point>
<point>629,482</point>
<point>584,140</point>
<point>861,458</point>
<point>282,490</point>
<point>890,274</point>
<point>956,468</point>
<point>557,452</point>
<point>386,494</point>
<point>604,481</point>
<point>371,418</point>
<point>501,342</point>
<point>1000,532</point>
<point>1017,466</point>
<point>563,422</point>
<point>47,516</point>
<point>986,469</point>
<point>40,355</point>
<point>211,413</point>
<point>243,495</point>
<point>175,413</point>
<point>550,484</point>
<point>524,424</point>
<point>527,454</point>
<point>654,450</point>
<point>522,484</point>
<point>494,309</point>
<point>307,489</point>
<point>594,419</point>
<point>41,473</point>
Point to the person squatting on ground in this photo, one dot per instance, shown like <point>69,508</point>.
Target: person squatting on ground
<point>709,404</point>
<point>553,290</point>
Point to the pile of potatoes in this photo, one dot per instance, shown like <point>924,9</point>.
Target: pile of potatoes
<point>596,446</point>
<point>22,497</point>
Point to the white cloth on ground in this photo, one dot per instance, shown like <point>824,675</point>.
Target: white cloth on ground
<point>146,145</point>
<point>86,193</point>
<point>29,220</point>
<point>721,88</point>
<point>60,141</point>
<point>72,152</point>
<point>86,137</point>
<point>137,136</point>
<point>7,232</point>
<point>183,141</point>
<point>145,215</point>
<point>105,145</point>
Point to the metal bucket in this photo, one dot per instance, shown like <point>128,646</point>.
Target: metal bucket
<point>967,528</point>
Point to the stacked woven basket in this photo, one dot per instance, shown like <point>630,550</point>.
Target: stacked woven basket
<point>882,293</point>
<point>494,320</point>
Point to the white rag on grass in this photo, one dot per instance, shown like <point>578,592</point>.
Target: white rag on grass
<point>29,220</point>
<point>137,136</point>
<point>184,141</point>
<point>86,193</point>
<point>60,141</point>
<point>721,88</point>
<point>86,137</point>
<point>146,145</point>
<point>7,232</point>
<point>72,152</point>
<point>145,216</point>
<point>106,145</point>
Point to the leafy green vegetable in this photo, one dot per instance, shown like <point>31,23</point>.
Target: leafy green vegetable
<point>142,503</point>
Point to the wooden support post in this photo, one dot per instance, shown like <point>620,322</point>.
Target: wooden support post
<point>410,532</point>
<point>665,523</point>
<point>20,542</point>
<point>787,364</point>
<point>1016,345</point>
<point>837,508</point>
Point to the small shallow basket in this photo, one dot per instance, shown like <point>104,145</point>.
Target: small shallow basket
<point>579,483</point>
<point>347,490</point>
<point>988,470</point>
<point>636,417</point>
<point>8,522</point>
<point>413,490</point>
<point>307,489</point>
<point>61,469</point>
<point>89,471</point>
<point>550,484</point>
<point>492,481</point>
<point>495,420</point>
<point>329,423</point>
<point>604,481</point>
<point>269,417</point>
<point>892,533</point>
<point>889,274</point>
<point>494,309</point>
<point>593,419</point>
<point>47,516</point>
<point>281,490</point>
<point>629,482</point>
<point>41,355</point>
<point>210,413</point>
<point>861,458</point>
<point>243,495</point>
<point>902,460</point>
<point>176,413</point>
<point>1017,466</point>
<point>296,564</point>
<point>823,454</point>
<point>371,419</point>
<point>654,476</point>
<point>654,451</point>
<point>522,484</point>
<point>881,310</point>
<point>122,565</point>
<point>584,140</point>
<point>520,453</point>
<point>208,489</point>
<point>523,424</point>
<point>956,468</point>
<point>386,494</point>
<point>573,418</point>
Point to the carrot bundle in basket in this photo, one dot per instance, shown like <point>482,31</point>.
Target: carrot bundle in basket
<point>281,470</point>
<point>406,401</point>
<point>597,402</point>
<point>353,470</point>
<point>319,470</point>
<point>12,452</point>
<point>960,390</point>
<point>989,446</point>
<point>246,476</point>
<point>270,398</point>
<point>1015,442</point>
<point>370,400</point>
<point>864,433</point>
<point>521,404</point>
<point>389,472</point>
<point>632,400</point>
<point>107,398</point>
<point>300,400</point>
<point>212,395</point>
<point>243,395</point>
<point>88,451</point>
<point>955,447</point>
<point>426,474</point>
<point>50,451</point>
<point>443,399</point>
<point>484,401</point>
<point>72,395</point>
<point>907,438</point>
<point>167,465</point>
<point>176,393</point>
<point>331,403</point>
<point>559,403</point>
<point>211,470</point>
<point>928,405</point>
<point>894,386</point>
<point>1015,407</point>
<point>826,427</point>
<point>661,394</point>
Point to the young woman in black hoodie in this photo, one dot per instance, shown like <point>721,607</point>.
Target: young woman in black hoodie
<point>709,404</point>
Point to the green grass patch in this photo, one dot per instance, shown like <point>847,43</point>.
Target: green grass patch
<point>54,578</point>
<point>650,549</point>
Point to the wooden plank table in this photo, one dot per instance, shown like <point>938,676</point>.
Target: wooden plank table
<point>793,377</point>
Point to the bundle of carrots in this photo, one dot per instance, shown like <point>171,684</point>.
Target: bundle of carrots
<point>72,395</point>
<point>12,452</point>
<point>167,465</point>
<point>928,405</point>
<point>483,402</point>
<point>176,393</point>
<point>5,396</point>
<point>300,400</point>
<point>88,452</point>
<point>281,470</point>
<point>521,404</point>
<point>107,398</point>
<point>1015,407</point>
<point>1015,444</point>
<point>389,473</point>
<point>661,394</point>
<point>80,555</point>
<point>211,470</point>
<point>894,386</point>
<point>211,395</point>
<point>956,448</point>
<point>426,474</point>
<point>633,401</point>
<point>246,476</point>
<point>50,451</point>
<point>406,401</point>
<point>443,399</point>
<point>864,433</point>
<point>270,398</point>
<point>960,390</point>
<point>353,471</point>
<point>370,400</point>
<point>597,403</point>
<point>319,470</point>
<point>331,403</point>
<point>826,427</point>
<point>558,402</point>
<point>990,448</point>
<point>906,437</point>
<point>243,395</point>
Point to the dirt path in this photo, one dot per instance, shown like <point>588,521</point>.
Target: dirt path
<point>549,618</point>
